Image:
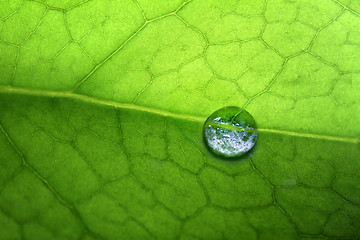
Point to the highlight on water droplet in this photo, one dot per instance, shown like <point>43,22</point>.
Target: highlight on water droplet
<point>230,132</point>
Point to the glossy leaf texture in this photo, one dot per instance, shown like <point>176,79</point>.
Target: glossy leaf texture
<point>102,104</point>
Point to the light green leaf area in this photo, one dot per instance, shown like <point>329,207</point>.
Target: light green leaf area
<point>102,104</point>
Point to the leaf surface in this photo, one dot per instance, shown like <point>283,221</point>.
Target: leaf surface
<point>102,105</point>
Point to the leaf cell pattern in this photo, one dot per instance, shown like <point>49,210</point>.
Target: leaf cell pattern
<point>102,104</point>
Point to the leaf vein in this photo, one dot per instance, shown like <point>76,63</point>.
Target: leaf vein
<point>181,116</point>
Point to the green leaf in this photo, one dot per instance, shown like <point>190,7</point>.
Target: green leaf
<point>102,105</point>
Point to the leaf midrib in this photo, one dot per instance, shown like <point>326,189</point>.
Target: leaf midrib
<point>181,116</point>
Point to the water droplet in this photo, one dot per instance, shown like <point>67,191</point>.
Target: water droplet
<point>230,132</point>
